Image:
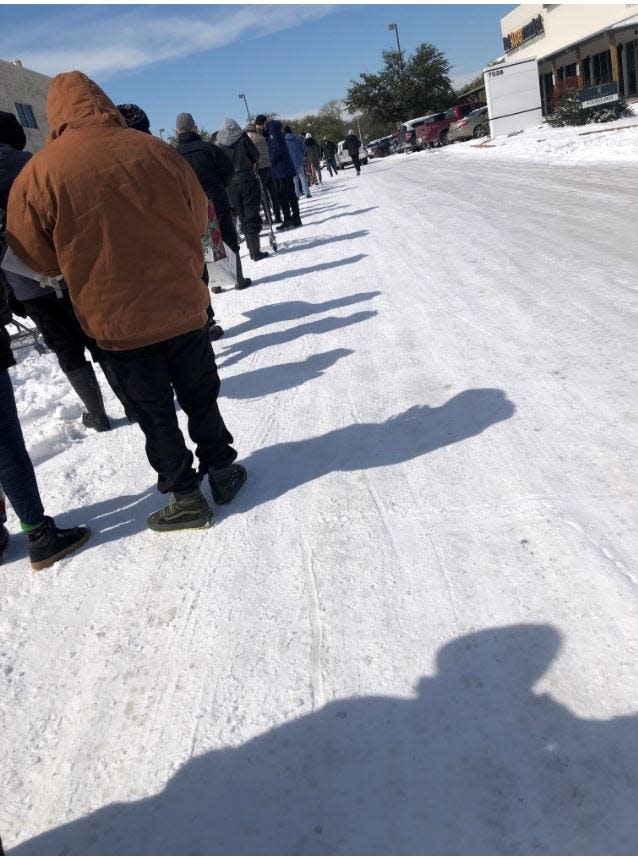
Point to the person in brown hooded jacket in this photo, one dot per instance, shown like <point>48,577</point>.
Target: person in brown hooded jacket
<point>121,215</point>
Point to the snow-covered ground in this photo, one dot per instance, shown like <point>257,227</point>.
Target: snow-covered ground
<point>416,629</point>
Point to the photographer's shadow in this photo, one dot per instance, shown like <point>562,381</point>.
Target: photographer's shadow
<point>475,763</point>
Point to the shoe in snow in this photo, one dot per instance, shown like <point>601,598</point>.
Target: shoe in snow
<point>215,332</point>
<point>48,543</point>
<point>244,283</point>
<point>308,196</point>
<point>99,422</point>
<point>296,222</point>
<point>185,511</point>
<point>216,289</point>
<point>287,224</point>
<point>226,482</point>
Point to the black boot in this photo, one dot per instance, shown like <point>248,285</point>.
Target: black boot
<point>48,543</point>
<point>226,482</point>
<point>185,511</point>
<point>241,282</point>
<point>287,224</point>
<point>252,242</point>
<point>85,384</point>
<point>4,540</point>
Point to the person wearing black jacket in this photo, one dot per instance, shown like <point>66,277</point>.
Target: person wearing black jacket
<point>353,144</point>
<point>329,151</point>
<point>214,169</point>
<point>244,190</point>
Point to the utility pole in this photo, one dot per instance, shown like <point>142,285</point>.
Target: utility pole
<point>396,32</point>
<point>161,133</point>
<point>241,95</point>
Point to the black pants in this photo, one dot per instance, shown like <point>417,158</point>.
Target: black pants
<point>288,199</point>
<point>265,175</point>
<point>185,364</point>
<point>245,198</point>
<point>61,331</point>
<point>356,162</point>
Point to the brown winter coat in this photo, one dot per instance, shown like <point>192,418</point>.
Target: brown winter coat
<point>119,213</point>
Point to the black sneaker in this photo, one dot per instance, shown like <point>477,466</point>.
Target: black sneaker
<point>101,423</point>
<point>216,289</point>
<point>215,332</point>
<point>287,224</point>
<point>226,482</point>
<point>49,543</point>
<point>297,222</point>
<point>185,511</point>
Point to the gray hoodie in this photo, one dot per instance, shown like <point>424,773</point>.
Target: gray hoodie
<point>229,133</point>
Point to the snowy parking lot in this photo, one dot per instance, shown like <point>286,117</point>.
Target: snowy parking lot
<point>415,631</point>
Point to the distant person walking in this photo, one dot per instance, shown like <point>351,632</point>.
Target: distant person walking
<point>297,150</point>
<point>313,153</point>
<point>353,144</point>
<point>329,151</point>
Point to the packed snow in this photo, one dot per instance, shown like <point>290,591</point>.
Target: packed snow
<point>415,629</point>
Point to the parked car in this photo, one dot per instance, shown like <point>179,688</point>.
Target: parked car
<point>343,156</point>
<point>477,124</point>
<point>436,132</point>
<point>408,138</point>
<point>381,148</point>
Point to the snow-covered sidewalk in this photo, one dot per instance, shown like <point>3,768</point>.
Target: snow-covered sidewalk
<point>415,630</point>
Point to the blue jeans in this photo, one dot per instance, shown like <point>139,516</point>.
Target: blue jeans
<point>301,174</point>
<point>16,471</point>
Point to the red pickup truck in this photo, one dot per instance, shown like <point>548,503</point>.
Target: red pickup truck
<point>434,131</point>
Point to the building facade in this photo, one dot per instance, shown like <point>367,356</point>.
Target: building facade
<point>24,93</point>
<point>575,45</point>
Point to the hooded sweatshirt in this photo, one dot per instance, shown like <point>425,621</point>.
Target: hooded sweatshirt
<point>240,149</point>
<point>259,139</point>
<point>120,214</point>
<point>280,160</point>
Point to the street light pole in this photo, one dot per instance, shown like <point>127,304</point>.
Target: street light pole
<point>241,95</point>
<point>161,133</point>
<point>396,32</point>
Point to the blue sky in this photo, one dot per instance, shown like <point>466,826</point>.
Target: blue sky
<point>288,59</point>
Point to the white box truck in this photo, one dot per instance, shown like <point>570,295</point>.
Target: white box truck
<point>513,97</point>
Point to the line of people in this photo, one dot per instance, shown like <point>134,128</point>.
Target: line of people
<point>91,278</point>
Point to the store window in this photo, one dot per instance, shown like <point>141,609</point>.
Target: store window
<point>632,71</point>
<point>25,115</point>
<point>601,68</point>
<point>570,70</point>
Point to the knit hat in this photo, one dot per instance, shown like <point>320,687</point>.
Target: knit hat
<point>11,132</point>
<point>351,131</point>
<point>135,117</point>
<point>261,119</point>
<point>308,136</point>
<point>184,122</point>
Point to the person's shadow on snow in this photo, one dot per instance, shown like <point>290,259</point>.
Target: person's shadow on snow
<point>236,351</point>
<point>278,469</point>
<point>288,311</point>
<point>474,763</point>
<point>282,376</point>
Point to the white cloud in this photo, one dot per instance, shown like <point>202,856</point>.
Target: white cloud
<point>124,40</point>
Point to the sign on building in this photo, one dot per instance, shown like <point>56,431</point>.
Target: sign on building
<point>513,97</point>
<point>592,96</point>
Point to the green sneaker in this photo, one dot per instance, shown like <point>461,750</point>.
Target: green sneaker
<point>185,511</point>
